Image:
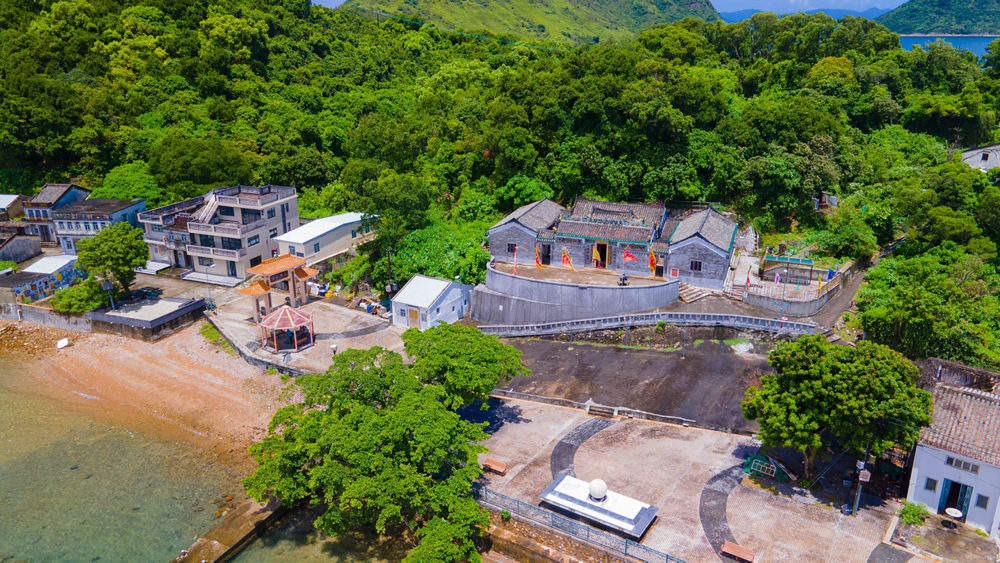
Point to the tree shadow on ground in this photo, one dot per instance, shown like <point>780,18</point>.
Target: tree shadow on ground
<point>498,414</point>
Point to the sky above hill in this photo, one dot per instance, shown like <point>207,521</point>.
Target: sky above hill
<point>785,6</point>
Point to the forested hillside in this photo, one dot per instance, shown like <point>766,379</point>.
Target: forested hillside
<point>441,133</point>
<point>565,21</point>
<point>968,17</point>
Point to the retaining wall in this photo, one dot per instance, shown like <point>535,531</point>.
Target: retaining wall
<point>249,356</point>
<point>54,319</point>
<point>508,299</point>
<point>803,308</point>
<point>149,331</point>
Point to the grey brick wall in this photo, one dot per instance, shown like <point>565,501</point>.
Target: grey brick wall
<point>714,266</point>
<point>513,234</point>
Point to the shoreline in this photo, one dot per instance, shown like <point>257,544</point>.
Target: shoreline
<point>950,35</point>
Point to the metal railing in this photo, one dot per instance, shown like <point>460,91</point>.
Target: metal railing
<point>234,229</point>
<point>576,529</point>
<point>223,252</point>
<point>643,319</point>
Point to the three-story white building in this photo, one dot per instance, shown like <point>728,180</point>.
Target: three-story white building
<point>221,234</point>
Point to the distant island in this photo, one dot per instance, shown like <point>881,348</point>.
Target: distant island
<point>835,13</point>
<point>944,17</point>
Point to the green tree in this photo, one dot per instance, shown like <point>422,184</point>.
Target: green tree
<point>864,397</point>
<point>380,450</point>
<point>80,298</point>
<point>130,181</point>
<point>467,364</point>
<point>521,190</point>
<point>113,255</point>
<point>847,234</point>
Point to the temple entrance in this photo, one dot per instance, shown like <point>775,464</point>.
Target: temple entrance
<point>602,252</point>
<point>546,254</point>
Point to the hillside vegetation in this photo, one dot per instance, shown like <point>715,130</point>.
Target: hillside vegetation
<point>562,21</point>
<point>969,17</point>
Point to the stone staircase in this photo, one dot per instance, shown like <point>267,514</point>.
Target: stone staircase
<point>736,292</point>
<point>690,294</point>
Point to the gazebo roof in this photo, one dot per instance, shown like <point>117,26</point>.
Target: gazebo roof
<point>273,266</point>
<point>255,289</point>
<point>286,318</point>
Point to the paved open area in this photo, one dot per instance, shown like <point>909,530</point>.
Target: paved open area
<point>347,328</point>
<point>704,383</point>
<point>693,476</point>
<point>586,276</point>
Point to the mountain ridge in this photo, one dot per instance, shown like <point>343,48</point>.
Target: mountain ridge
<point>955,17</point>
<point>835,13</point>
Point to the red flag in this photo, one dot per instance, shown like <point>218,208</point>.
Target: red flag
<point>566,261</point>
<point>538,259</point>
<point>748,277</point>
<point>652,262</point>
<point>629,257</point>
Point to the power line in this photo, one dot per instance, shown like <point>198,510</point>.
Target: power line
<point>474,36</point>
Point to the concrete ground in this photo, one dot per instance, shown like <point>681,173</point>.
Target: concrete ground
<point>176,287</point>
<point>347,328</point>
<point>705,383</point>
<point>691,475</point>
<point>591,276</point>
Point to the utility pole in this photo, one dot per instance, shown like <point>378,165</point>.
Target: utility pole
<point>861,467</point>
<point>391,286</point>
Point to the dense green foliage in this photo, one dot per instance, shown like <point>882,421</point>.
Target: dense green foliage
<point>962,17</point>
<point>560,21</point>
<point>113,254</point>
<point>7,264</point>
<point>80,298</point>
<point>467,365</point>
<point>378,443</point>
<point>864,397</point>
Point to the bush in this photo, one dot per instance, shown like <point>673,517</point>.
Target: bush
<point>4,264</point>
<point>913,513</point>
<point>505,514</point>
<point>661,326</point>
<point>80,298</point>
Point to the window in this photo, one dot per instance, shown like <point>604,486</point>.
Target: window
<point>156,228</point>
<point>31,213</point>
<point>231,243</point>
<point>986,156</point>
<point>250,216</point>
<point>402,312</point>
<point>202,261</point>
<point>963,465</point>
<point>271,213</point>
<point>253,241</point>
<point>272,233</point>
<point>95,225</point>
<point>86,225</point>
<point>227,212</point>
<point>437,311</point>
<point>316,247</point>
<point>354,234</point>
<point>930,485</point>
<point>62,225</point>
<point>982,502</point>
<point>696,265</point>
<point>78,227</point>
<point>511,248</point>
<point>255,261</point>
<point>368,229</point>
<point>291,250</point>
<point>452,308</point>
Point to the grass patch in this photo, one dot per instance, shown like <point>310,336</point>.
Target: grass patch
<point>852,323</point>
<point>672,349</point>
<point>913,513</point>
<point>212,334</point>
<point>982,533</point>
<point>736,341</point>
<point>698,343</point>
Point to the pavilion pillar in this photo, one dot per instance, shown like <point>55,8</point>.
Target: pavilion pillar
<point>312,333</point>
<point>275,334</point>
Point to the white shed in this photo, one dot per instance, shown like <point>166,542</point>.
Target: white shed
<point>425,302</point>
<point>325,237</point>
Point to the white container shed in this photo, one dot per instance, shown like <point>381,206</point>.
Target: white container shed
<point>425,302</point>
<point>325,237</point>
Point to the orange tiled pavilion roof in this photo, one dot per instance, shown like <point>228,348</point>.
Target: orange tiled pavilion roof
<point>305,272</point>
<point>286,318</point>
<point>273,266</point>
<point>258,287</point>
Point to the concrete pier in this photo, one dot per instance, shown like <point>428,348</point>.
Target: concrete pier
<point>228,537</point>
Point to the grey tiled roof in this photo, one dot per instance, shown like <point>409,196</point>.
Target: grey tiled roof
<point>547,234</point>
<point>965,423</point>
<point>604,231</point>
<point>708,223</point>
<point>50,193</point>
<point>983,158</point>
<point>536,216</point>
<point>659,247</point>
<point>648,214</point>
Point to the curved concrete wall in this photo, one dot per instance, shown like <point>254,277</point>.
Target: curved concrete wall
<point>507,299</point>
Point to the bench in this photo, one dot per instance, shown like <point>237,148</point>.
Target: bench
<point>737,552</point>
<point>495,466</point>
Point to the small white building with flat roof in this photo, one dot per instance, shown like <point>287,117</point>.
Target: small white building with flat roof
<point>326,237</point>
<point>425,302</point>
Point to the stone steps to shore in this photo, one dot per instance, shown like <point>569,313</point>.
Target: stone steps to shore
<point>690,294</point>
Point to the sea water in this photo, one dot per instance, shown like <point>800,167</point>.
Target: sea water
<point>73,488</point>
<point>976,44</point>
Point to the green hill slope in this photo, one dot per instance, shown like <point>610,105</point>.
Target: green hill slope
<point>945,16</point>
<point>553,20</point>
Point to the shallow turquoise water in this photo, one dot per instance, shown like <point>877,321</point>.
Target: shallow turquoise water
<point>73,488</point>
<point>975,44</point>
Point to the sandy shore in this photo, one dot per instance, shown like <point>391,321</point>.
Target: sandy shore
<point>181,388</point>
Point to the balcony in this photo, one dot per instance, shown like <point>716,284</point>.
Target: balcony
<point>76,232</point>
<point>226,229</point>
<point>151,238</point>
<point>257,200</point>
<point>195,250</point>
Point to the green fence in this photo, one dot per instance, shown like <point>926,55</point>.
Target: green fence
<point>576,529</point>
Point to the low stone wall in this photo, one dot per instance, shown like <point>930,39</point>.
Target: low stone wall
<point>248,356</point>
<point>790,308</point>
<point>55,319</point>
<point>508,299</point>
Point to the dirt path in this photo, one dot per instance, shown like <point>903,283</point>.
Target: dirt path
<point>181,388</point>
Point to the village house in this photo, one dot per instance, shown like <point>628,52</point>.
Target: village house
<point>624,237</point>
<point>326,238</point>
<point>84,219</point>
<point>10,207</point>
<point>40,280</point>
<point>16,242</point>
<point>222,234</point>
<point>983,158</point>
<point>39,210</point>
<point>957,459</point>
<point>425,302</point>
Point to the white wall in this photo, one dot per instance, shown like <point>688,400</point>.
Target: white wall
<point>929,463</point>
<point>330,244</point>
<point>450,306</point>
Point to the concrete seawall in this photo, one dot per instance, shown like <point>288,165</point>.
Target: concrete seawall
<point>233,533</point>
<point>508,299</point>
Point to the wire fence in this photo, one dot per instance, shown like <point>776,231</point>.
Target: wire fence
<point>576,529</point>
